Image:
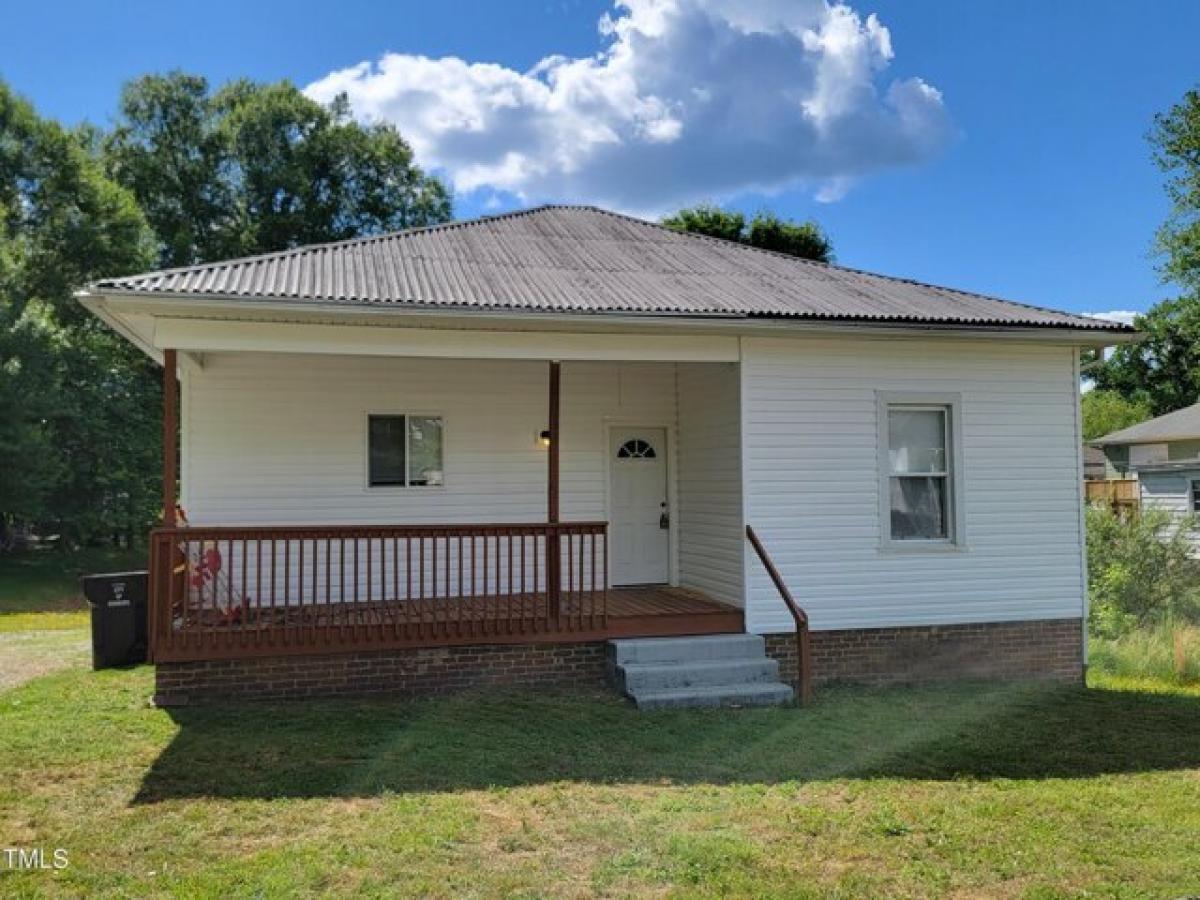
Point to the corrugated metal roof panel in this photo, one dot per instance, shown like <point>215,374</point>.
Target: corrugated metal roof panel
<point>587,260</point>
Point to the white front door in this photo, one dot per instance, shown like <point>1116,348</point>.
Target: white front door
<point>640,527</point>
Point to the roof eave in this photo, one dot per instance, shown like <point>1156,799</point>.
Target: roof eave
<point>1136,440</point>
<point>238,307</point>
<point>1171,465</point>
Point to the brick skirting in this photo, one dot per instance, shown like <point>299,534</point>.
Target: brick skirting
<point>1038,649</point>
<point>1050,648</point>
<point>435,670</point>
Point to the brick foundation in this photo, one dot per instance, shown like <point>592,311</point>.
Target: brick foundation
<point>435,670</point>
<point>1039,649</point>
<point>1050,648</point>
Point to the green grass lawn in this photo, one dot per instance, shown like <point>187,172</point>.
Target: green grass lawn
<point>40,589</point>
<point>965,790</point>
<point>968,790</point>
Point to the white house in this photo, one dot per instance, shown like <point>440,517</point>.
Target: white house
<point>473,453</point>
<point>1163,454</point>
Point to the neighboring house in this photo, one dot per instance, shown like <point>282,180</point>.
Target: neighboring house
<point>1095,464</point>
<point>1174,437</point>
<point>1164,455</point>
<point>473,453</point>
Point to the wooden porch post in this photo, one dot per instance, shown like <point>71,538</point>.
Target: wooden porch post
<point>552,481</point>
<point>553,546</point>
<point>170,436</point>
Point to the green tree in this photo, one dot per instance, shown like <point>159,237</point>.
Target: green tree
<point>804,239</point>
<point>710,220</point>
<point>27,452</point>
<point>766,231</point>
<point>1163,370</point>
<point>256,167</point>
<point>63,223</point>
<point>1107,411</point>
<point>186,175</point>
<point>1176,141</point>
<point>169,151</point>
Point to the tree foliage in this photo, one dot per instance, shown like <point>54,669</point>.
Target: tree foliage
<point>1140,571</point>
<point>1176,142</point>
<point>186,175</point>
<point>69,390</point>
<point>1164,370</point>
<point>766,231</point>
<point>1107,411</point>
<point>255,167</point>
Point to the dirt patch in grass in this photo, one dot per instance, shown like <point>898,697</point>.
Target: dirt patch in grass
<point>25,655</point>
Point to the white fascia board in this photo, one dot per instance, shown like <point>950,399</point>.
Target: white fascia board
<point>131,327</point>
<point>207,335</point>
<point>313,312</point>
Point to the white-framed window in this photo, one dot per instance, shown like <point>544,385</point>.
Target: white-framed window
<point>404,450</point>
<point>920,470</point>
<point>1195,496</point>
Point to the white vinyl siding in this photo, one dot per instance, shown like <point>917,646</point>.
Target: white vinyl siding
<point>710,525</point>
<point>1174,492</point>
<point>272,438</point>
<point>280,439</point>
<point>809,413</point>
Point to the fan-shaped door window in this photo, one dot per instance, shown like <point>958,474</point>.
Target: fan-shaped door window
<point>636,448</point>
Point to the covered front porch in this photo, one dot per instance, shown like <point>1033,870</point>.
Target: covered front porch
<point>279,592</point>
<point>296,546</point>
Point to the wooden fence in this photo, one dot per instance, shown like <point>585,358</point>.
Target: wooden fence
<point>1119,493</point>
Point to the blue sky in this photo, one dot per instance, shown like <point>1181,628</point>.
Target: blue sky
<point>1017,166</point>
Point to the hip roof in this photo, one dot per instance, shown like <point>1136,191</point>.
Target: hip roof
<point>580,259</point>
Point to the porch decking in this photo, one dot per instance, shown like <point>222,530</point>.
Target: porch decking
<point>638,611</point>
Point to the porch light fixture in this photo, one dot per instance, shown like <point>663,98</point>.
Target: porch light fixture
<point>544,438</point>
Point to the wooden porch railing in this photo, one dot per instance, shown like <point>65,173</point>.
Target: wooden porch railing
<point>803,645</point>
<point>225,592</point>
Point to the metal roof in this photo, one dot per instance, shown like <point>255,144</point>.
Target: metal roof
<point>579,259</point>
<point>1181,425</point>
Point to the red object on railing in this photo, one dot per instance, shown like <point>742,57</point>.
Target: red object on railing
<point>271,590</point>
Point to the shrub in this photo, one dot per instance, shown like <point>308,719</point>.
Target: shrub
<point>1141,572</point>
<point>1161,652</point>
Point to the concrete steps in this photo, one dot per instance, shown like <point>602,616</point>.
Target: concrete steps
<point>709,670</point>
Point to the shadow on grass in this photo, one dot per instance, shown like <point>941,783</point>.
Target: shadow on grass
<point>967,730</point>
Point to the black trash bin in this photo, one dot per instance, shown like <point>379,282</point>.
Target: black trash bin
<point>118,604</point>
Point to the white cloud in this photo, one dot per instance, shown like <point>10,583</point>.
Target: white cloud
<point>686,100</point>
<point>1124,316</point>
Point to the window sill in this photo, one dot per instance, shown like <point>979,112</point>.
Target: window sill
<point>403,488</point>
<point>902,548</point>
